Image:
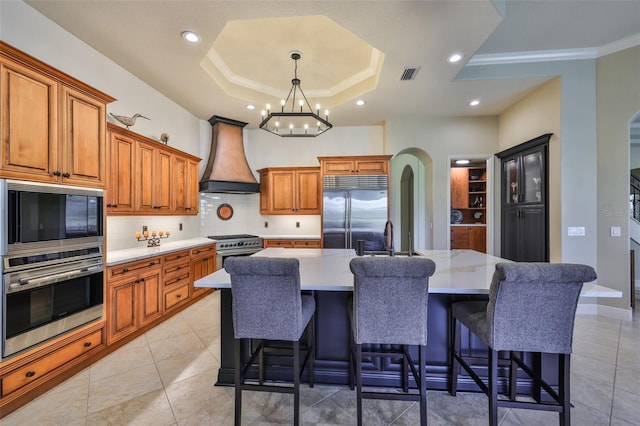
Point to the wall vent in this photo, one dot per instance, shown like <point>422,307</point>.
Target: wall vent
<point>409,73</point>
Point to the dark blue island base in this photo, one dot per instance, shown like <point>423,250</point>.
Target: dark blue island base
<point>332,349</point>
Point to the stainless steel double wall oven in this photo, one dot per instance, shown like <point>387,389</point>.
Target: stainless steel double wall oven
<point>51,244</point>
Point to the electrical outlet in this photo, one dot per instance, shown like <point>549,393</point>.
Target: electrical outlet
<point>266,224</point>
<point>615,231</point>
<point>297,224</point>
<point>179,227</point>
<point>576,231</point>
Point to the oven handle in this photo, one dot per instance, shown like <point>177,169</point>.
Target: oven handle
<point>40,280</point>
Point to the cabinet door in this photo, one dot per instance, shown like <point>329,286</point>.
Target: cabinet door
<point>478,238</point>
<point>149,297</point>
<point>29,116</point>
<point>459,188</point>
<point>179,179</point>
<point>201,267</point>
<point>277,243</point>
<point>122,305</point>
<point>338,167</point>
<point>459,237</point>
<point>162,180</point>
<point>309,192</point>
<point>192,198</point>
<point>511,181</point>
<point>120,186</point>
<point>533,235</point>
<point>532,177</point>
<point>371,167</point>
<point>282,196</point>
<point>510,242</point>
<point>145,184</point>
<point>84,132</point>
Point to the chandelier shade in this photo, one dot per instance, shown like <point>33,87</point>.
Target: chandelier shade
<point>295,119</point>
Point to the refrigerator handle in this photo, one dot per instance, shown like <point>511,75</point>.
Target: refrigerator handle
<point>347,235</point>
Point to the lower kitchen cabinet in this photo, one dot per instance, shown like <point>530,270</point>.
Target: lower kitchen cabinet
<point>176,277</point>
<point>203,263</point>
<point>134,297</point>
<point>293,243</point>
<point>469,237</point>
<point>33,369</point>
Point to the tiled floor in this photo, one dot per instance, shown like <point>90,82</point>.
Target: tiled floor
<point>166,377</point>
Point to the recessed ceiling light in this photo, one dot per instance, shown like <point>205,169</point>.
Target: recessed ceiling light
<point>250,107</point>
<point>360,102</point>
<point>462,161</point>
<point>190,36</point>
<point>474,102</point>
<point>456,57</point>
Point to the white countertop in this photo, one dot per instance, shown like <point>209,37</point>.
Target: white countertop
<point>166,246</point>
<point>457,271</point>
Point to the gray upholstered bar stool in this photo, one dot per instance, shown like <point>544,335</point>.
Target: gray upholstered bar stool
<point>390,296</point>
<point>531,308</point>
<point>267,305</point>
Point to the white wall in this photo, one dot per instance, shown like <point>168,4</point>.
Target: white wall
<point>439,138</point>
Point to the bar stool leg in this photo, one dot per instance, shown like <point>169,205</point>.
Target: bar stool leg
<point>359,382</point>
<point>513,378</point>
<point>493,387</point>
<point>405,369</point>
<point>238,390</point>
<point>422,359</point>
<point>312,347</point>
<point>564,375</point>
<point>296,383</point>
<point>455,365</point>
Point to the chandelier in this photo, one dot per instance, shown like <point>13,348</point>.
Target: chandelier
<point>294,120</point>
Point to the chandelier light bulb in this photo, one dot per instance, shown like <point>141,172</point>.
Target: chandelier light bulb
<point>264,113</point>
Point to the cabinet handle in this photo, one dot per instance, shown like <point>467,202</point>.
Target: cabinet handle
<point>152,263</point>
<point>66,175</point>
<point>114,206</point>
<point>109,205</point>
<point>142,280</point>
<point>30,374</point>
<point>125,269</point>
<point>87,344</point>
<point>178,295</point>
<point>57,173</point>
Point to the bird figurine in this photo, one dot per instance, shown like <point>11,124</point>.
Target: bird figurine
<point>127,121</point>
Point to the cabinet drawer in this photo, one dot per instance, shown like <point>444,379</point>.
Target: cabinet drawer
<point>278,243</point>
<point>459,237</point>
<point>177,256</point>
<point>174,279</point>
<point>306,243</point>
<point>175,297</point>
<point>132,267</point>
<point>50,362</point>
<point>203,250</point>
<point>174,269</point>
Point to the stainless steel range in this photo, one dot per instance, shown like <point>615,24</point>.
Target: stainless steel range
<point>235,245</point>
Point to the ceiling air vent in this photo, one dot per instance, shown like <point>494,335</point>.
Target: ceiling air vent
<point>409,73</point>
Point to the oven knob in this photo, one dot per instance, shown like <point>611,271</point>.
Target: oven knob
<point>240,244</point>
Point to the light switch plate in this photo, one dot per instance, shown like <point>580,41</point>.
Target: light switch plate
<point>615,231</point>
<point>576,231</point>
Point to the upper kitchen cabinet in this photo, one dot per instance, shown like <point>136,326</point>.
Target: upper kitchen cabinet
<point>290,191</point>
<point>525,209</point>
<point>53,126</point>
<point>356,165</point>
<point>148,177</point>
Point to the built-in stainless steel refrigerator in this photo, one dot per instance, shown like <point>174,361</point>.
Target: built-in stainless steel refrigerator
<point>354,208</point>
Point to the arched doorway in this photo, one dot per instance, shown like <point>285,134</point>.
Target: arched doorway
<point>406,209</point>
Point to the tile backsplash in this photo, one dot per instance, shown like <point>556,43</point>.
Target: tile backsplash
<point>246,219</point>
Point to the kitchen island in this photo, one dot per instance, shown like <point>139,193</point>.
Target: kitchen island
<point>459,275</point>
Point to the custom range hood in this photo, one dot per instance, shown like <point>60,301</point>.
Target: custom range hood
<point>227,170</point>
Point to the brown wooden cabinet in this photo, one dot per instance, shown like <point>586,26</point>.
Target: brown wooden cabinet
<point>290,191</point>
<point>147,177</point>
<point>53,126</point>
<point>203,263</point>
<point>120,189</point>
<point>290,243</point>
<point>133,297</point>
<point>358,165</point>
<point>469,237</point>
<point>28,371</point>
<point>176,277</point>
